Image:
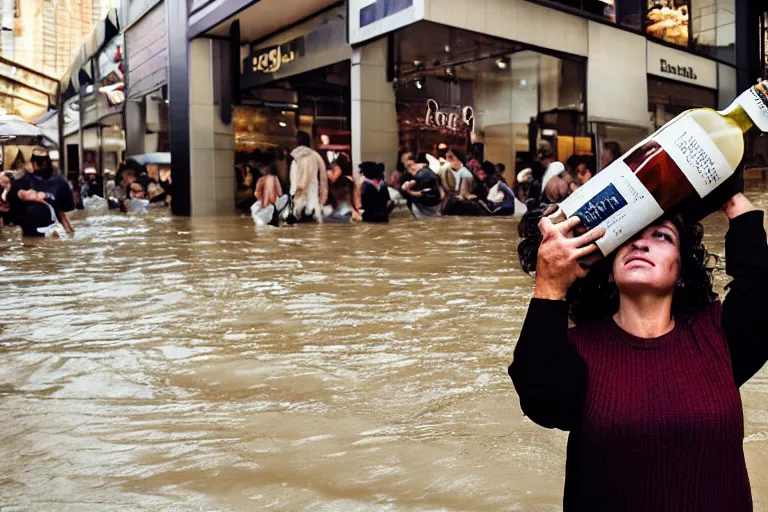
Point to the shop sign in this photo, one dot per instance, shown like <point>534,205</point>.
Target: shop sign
<point>270,60</point>
<point>315,44</point>
<point>455,122</point>
<point>685,72</point>
<point>680,66</point>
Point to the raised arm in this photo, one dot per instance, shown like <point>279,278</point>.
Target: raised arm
<point>548,373</point>
<point>745,315</point>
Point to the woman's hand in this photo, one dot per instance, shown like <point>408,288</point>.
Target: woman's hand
<point>737,205</point>
<point>560,254</point>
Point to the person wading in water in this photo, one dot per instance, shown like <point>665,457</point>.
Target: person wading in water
<point>647,383</point>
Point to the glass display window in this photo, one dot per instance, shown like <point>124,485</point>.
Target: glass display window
<point>668,20</point>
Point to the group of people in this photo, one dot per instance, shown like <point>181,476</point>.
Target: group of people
<point>551,181</point>
<point>37,199</point>
<point>308,190</point>
<point>131,189</point>
<point>449,182</point>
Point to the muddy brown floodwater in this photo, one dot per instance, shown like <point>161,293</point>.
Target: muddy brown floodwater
<point>158,363</point>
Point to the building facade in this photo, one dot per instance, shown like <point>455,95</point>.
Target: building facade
<point>373,77</point>
<point>45,35</point>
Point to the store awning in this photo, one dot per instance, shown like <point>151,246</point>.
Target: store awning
<point>81,70</point>
<point>14,130</point>
<point>48,124</point>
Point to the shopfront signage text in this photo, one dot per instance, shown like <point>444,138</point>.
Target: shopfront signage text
<point>270,60</point>
<point>682,71</point>
<point>449,121</point>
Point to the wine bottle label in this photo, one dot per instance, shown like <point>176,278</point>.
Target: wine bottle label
<point>695,154</point>
<point>754,104</point>
<point>616,199</point>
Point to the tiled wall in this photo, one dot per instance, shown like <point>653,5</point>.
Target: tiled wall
<point>212,142</point>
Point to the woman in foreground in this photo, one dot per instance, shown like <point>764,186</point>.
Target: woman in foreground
<point>648,381</point>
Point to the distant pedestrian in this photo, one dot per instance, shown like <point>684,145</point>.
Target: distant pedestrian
<point>375,193</point>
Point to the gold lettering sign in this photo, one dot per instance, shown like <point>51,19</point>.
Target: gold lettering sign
<point>270,60</point>
<point>453,122</point>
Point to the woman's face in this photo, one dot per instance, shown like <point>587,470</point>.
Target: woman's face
<point>454,162</point>
<point>137,191</point>
<point>5,182</point>
<point>650,262</point>
<point>334,174</point>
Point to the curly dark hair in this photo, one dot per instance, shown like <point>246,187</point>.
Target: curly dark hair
<point>596,296</point>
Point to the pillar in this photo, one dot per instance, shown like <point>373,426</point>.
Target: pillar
<point>374,115</point>
<point>212,144</point>
<point>178,111</point>
<point>135,127</point>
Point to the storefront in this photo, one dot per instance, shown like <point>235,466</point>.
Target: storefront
<point>706,27</point>
<point>146,91</point>
<point>452,83</point>
<point>296,81</point>
<point>92,101</point>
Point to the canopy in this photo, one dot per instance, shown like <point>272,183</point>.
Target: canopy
<point>14,130</point>
<point>48,124</point>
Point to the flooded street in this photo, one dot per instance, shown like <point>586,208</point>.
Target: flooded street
<point>158,363</point>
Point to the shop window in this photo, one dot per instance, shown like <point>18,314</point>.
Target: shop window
<point>714,28</point>
<point>667,20</point>
<point>623,12</point>
<point>508,96</point>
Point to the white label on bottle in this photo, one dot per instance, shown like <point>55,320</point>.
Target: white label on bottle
<point>617,200</point>
<point>755,108</point>
<point>695,154</point>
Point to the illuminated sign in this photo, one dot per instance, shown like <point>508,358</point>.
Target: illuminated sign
<point>449,121</point>
<point>270,60</point>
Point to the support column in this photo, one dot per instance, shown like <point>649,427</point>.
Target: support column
<point>212,144</point>
<point>374,115</point>
<point>177,24</point>
<point>135,122</point>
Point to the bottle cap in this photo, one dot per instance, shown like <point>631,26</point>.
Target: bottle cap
<point>754,101</point>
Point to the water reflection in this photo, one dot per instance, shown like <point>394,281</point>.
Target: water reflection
<point>157,362</point>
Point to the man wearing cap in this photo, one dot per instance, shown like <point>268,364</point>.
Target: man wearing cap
<point>93,184</point>
<point>42,179</point>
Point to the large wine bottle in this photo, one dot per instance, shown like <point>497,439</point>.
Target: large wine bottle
<point>692,154</point>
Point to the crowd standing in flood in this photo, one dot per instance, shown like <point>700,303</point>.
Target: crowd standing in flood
<point>300,186</point>
<point>36,198</point>
<point>280,187</point>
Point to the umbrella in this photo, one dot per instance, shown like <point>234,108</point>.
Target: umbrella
<point>152,158</point>
<point>14,130</point>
